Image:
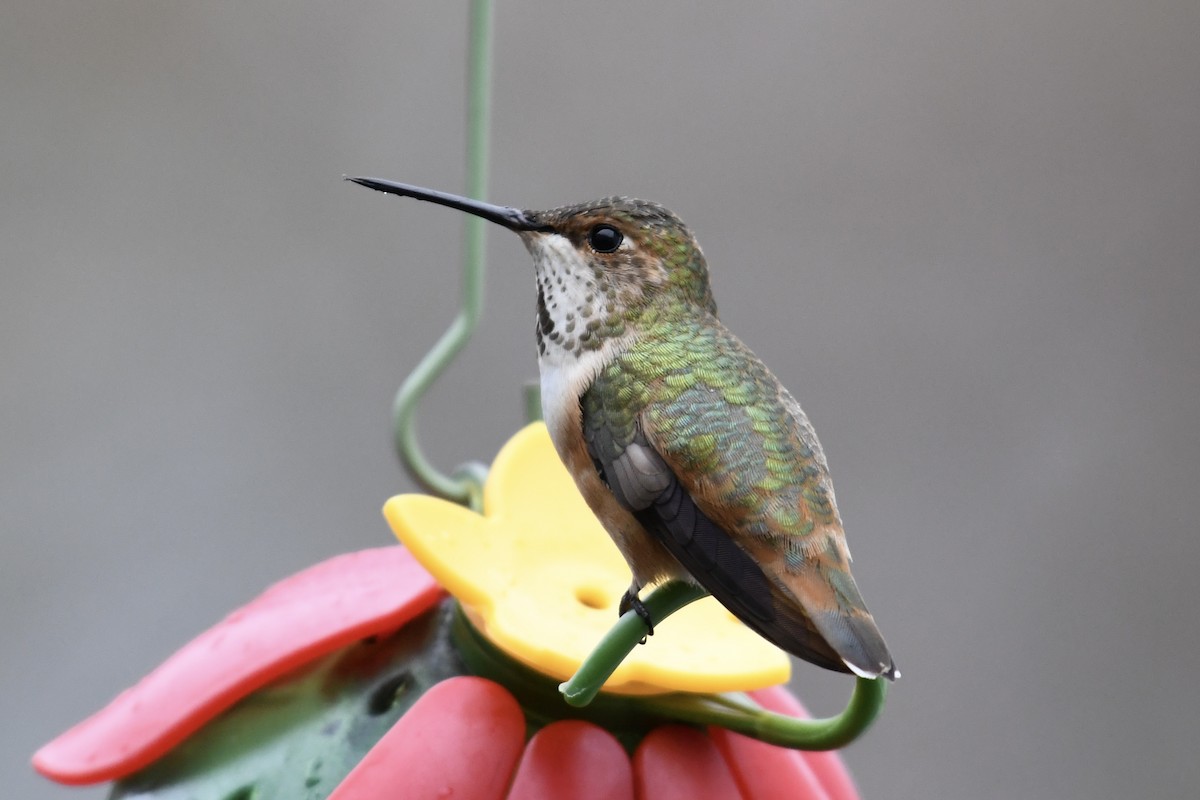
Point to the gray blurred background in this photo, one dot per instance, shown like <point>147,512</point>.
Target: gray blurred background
<point>967,236</point>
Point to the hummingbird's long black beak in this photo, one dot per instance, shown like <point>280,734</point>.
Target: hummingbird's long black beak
<point>512,218</point>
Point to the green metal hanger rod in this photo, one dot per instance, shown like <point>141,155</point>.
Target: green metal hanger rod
<point>465,485</point>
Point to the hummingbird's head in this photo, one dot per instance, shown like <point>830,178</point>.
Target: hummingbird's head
<point>627,253</point>
<point>610,257</point>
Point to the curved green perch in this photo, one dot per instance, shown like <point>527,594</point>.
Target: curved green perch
<point>739,713</point>
<point>733,711</point>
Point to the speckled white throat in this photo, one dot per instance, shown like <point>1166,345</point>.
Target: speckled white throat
<point>568,298</point>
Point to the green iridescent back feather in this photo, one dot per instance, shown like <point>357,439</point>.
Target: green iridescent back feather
<point>721,419</point>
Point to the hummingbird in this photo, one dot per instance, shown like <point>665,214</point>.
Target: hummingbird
<point>697,461</point>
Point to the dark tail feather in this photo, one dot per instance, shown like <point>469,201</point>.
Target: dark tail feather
<point>827,598</point>
<point>840,641</point>
<point>844,639</point>
<point>859,643</point>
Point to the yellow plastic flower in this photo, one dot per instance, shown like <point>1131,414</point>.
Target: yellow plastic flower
<point>539,577</point>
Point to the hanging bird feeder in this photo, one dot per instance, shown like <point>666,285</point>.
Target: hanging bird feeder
<point>360,678</point>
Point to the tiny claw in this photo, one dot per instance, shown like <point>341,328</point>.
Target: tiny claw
<point>630,601</point>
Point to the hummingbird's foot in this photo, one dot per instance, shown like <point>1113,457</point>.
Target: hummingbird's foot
<point>630,600</point>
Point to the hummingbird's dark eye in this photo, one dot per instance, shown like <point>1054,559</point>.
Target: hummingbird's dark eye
<point>604,238</point>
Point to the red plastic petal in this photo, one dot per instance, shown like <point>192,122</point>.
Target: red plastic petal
<point>460,740</point>
<point>678,763</point>
<point>314,612</point>
<point>573,760</point>
<point>823,773</point>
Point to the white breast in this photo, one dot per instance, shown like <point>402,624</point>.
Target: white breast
<point>565,377</point>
